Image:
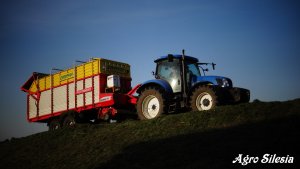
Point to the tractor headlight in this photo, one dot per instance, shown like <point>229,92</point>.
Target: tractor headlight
<point>224,82</point>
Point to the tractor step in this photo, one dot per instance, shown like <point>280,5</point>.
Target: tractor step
<point>172,108</point>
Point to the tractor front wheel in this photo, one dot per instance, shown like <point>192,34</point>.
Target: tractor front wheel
<point>203,98</point>
<point>151,104</point>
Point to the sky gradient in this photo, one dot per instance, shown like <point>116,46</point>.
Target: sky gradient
<point>254,42</point>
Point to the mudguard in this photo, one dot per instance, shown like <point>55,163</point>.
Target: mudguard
<point>156,82</point>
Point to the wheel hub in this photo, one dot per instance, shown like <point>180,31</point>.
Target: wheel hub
<point>150,107</point>
<point>153,107</point>
<point>71,123</point>
<point>205,102</point>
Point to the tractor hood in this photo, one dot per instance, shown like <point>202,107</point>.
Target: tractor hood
<point>214,80</point>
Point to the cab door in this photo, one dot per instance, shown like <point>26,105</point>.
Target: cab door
<point>170,72</point>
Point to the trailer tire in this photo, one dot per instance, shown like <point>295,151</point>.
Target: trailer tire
<point>151,104</point>
<point>203,98</point>
<point>69,121</point>
<point>54,124</point>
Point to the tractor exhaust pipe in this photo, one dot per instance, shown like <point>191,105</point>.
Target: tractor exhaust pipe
<point>184,81</point>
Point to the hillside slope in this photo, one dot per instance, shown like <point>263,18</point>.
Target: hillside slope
<point>209,139</point>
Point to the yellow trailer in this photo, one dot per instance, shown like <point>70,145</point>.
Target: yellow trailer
<point>93,67</point>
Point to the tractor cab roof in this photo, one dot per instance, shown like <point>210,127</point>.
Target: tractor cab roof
<point>188,58</point>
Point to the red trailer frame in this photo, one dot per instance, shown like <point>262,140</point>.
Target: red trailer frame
<point>78,96</point>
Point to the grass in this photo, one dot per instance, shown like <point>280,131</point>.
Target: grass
<point>210,139</point>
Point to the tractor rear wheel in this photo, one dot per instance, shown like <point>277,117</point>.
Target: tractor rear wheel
<point>151,104</point>
<point>203,98</point>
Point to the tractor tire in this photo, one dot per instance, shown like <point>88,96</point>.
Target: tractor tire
<point>151,104</point>
<point>69,122</point>
<point>54,124</point>
<point>203,98</point>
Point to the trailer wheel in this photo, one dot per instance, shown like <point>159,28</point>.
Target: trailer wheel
<point>203,98</point>
<point>69,122</point>
<point>54,125</point>
<point>151,104</point>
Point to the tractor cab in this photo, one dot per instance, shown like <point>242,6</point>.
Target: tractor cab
<point>186,72</point>
<point>170,68</point>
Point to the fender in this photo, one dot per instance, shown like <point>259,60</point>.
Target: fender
<point>206,80</point>
<point>156,82</point>
<point>195,85</point>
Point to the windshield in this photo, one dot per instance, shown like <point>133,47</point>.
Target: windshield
<point>193,69</point>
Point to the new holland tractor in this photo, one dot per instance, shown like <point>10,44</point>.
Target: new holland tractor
<point>180,82</point>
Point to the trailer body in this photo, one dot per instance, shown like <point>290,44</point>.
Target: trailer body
<point>78,89</point>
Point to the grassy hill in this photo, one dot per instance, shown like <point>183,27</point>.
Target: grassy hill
<point>210,139</point>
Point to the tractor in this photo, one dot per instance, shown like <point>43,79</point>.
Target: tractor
<point>180,83</point>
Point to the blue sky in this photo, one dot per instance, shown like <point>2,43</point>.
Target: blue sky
<point>254,42</point>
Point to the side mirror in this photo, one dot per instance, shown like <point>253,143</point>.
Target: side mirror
<point>213,65</point>
<point>170,58</point>
<point>153,73</point>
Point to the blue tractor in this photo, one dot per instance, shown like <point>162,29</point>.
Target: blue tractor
<point>180,82</point>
